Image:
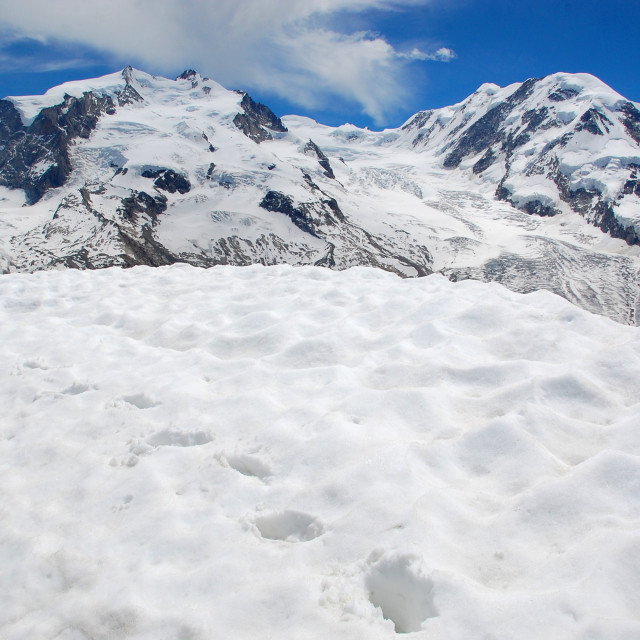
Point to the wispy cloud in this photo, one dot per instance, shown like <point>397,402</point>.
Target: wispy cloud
<point>36,64</point>
<point>294,48</point>
<point>444,54</point>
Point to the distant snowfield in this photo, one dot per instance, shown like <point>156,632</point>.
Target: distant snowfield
<point>271,453</point>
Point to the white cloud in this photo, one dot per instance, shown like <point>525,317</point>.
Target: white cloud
<point>292,47</point>
<point>444,54</point>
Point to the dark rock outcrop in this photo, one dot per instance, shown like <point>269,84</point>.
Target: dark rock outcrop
<point>534,118</point>
<point>35,158</point>
<point>191,75</point>
<point>536,207</point>
<point>560,95</point>
<point>142,203</point>
<point>483,133</point>
<point>523,91</point>
<point>311,148</point>
<point>606,220</point>
<point>307,216</point>
<point>485,162</point>
<point>592,121</point>
<point>418,121</point>
<point>257,120</point>
<point>10,121</point>
<point>188,74</point>
<point>168,180</point>
<point>532,207</point>
<point>499,133</point>
<point>488,130</point>
<point>631,120</point>
<point>129,94</point>
<point>281,203</point>
<point>632,185</point>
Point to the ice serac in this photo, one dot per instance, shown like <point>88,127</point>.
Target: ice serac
<point>535,185</point>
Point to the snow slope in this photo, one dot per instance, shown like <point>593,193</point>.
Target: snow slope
<point>276,453</point>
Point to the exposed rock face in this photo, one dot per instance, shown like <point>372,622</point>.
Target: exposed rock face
<point>485,162</point>
<point>92,240</point>
<point>10,122</point>
<point>168,180</point>
<point>128,95</point>
<point>418,121</point>
<point>521,140</point>
<point>311,148</point>
<point>36,158</point>
<point>324,220</point>
<point>188,74</point>
<point>563,94</point>
<point>256,120</point>
<point>479,136</point>
<point>489,129</point>
<point>631,120</point>
<point>594,122</point>
<point>141,202</point>
<point>308,216</point>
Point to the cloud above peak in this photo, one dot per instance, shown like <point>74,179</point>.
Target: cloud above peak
<point>293,48</point>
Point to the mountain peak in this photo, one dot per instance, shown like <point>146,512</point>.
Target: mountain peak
<point>188,74</point>
<point>514,184</point>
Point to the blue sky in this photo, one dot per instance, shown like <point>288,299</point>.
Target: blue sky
<point>369,62</point>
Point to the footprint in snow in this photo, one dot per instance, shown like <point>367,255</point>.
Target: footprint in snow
<point>399,587</point>
<point>140,401</point>
<point>36,364</point>
<point>123,505</point>
<point>289,526</point>
<point>169,438</point>
<point>248,465</point>
<point>76,389</point>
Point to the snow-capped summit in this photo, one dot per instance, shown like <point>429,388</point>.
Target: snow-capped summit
<point>534,185</point>
<point>567,141</point>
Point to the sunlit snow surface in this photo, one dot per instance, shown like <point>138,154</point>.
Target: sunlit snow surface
<point>297,453</point>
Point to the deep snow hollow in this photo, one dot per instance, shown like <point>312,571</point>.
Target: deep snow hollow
<point>297,453</point>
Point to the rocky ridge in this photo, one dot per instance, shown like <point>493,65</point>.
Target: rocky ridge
<point>548,142</point>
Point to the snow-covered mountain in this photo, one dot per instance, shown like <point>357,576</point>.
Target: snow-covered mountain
<point>535,185</point>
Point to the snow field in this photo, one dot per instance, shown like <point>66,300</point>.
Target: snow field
<point>278,452</point>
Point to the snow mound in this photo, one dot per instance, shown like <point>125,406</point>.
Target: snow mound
<point>279,452</point>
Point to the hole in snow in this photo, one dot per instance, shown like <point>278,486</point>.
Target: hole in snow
<point>76,389</point>
<point>140,401</point>
<point>179,439</point>
<point>249,466</point>
<point>35,364</point>
<point>403,593</point>
<point>290,526</point>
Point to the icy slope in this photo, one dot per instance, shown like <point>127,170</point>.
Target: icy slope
<point>283,452</point>
<point>136,169</point>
